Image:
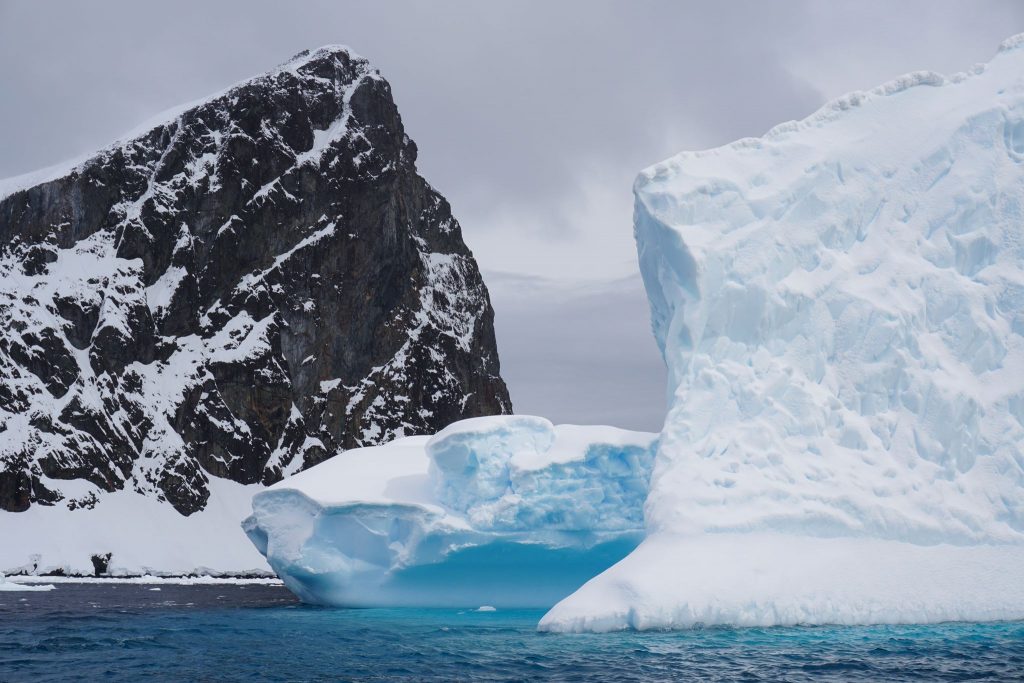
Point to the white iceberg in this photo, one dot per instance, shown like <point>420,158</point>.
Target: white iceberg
<point>507,511</point>
<point>841,307</point>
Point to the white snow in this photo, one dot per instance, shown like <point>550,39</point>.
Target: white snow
<point>841,307</point>
<point>455,520</point>
<point>12,184</point>
<point>322,139</point>
<point>329,385</point>
<point>161,292</point>
<point>150,580</point>
<point>8,586</point>
<point>249,281</point>
<point>143,535</point>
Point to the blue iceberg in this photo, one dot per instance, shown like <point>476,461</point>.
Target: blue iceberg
<point>509,511</point>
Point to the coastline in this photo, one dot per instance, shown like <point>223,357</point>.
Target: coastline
<point>177,580</point>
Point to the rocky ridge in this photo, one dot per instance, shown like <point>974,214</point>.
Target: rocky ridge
<point>239,292</point>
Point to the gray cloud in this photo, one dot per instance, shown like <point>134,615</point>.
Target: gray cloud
<point>580,354</point>
<point>531,117</point>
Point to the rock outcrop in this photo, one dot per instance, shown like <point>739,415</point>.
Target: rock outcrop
<point>238,292</point>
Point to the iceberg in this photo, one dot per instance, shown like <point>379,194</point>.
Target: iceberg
<point>840,304</point>
<point>504,511</point>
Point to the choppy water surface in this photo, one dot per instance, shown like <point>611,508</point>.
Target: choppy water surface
<point>236,633</point>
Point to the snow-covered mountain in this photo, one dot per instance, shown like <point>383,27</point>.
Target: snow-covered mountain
<point>234,294</point>
<point>841,307</point>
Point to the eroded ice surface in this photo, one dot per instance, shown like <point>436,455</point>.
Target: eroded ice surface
<point>506,511</point>
<point>841,307</point>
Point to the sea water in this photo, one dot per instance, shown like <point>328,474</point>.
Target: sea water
<point>242,633</point>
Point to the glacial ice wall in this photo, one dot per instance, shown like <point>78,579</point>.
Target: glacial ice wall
<point>508,511</point>
<point>841,307</point>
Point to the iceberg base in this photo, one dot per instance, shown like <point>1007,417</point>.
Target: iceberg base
<point>503,574</point>
<point>765,579</point>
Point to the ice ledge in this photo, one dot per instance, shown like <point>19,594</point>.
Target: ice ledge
<point>760,580</point>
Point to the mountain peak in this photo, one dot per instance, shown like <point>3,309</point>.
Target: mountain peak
<point>318,68</point>
<point>324,51</point>
<point>239,292</point>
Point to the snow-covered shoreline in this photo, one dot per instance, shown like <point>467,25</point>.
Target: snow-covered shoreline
<point>142,535</point>
<point>203,580</point>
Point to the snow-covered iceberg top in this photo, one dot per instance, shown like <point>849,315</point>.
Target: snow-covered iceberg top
<point>510,511</point>
<point>841,307</point>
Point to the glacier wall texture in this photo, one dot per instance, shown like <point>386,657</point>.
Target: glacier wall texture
<point>840,304</point>
<point>508,511</point>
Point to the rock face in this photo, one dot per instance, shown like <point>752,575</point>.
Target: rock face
<point>239,292</point>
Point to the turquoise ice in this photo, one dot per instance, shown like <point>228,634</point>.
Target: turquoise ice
<point>508,511</point>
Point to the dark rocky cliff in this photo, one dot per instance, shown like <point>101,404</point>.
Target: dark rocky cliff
<point>239,292</point>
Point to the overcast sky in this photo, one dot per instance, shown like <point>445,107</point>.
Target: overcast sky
<point>532,118</point>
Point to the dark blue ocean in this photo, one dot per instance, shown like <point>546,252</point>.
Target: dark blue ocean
<point>259,633</point>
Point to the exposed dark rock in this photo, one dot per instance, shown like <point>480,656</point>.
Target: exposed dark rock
<point>240,292</point>
<point>100,562</point>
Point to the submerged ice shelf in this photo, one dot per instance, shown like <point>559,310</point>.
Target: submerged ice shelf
<point>509,511</point>
<point>841,307</point>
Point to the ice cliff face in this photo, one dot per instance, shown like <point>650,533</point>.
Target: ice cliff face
<point>237,292</point>
<point>841,307</point>
<point>508,511</point>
